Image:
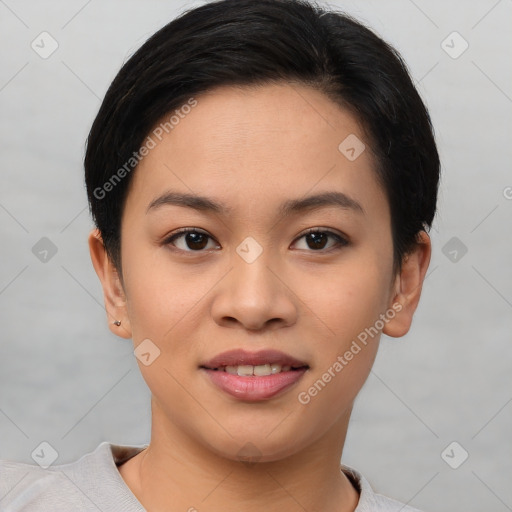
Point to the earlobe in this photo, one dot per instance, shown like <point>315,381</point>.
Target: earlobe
<point>408,285</point>
<point>113,293</point>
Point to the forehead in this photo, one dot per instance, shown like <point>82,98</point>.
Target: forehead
<point>250,144</point>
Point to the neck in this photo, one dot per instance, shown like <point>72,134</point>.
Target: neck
<point>177,473</point>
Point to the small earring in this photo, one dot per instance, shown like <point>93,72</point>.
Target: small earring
<point>117,322</point>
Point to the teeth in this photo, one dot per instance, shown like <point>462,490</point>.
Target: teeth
<point>275,368</point>
<point>261,370</point>
<point>245,370</point>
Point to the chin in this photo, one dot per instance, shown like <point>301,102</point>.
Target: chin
<point>253,451</point>
<point>261,443</point>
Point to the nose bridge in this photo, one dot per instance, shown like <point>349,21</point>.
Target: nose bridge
<point>252,293</point>
<point>252,278</point>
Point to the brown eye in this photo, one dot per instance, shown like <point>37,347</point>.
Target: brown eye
<point>317,240</point>
<point>189,240</point>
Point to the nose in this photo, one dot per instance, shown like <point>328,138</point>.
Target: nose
<point>254,296</point>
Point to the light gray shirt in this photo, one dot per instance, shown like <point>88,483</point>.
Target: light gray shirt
<point>93,484</point>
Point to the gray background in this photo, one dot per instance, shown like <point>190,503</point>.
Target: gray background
<point>66,380</point>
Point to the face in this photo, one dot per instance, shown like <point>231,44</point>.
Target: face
<point>256,310</point>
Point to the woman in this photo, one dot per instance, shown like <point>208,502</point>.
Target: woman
<point>262,176</point>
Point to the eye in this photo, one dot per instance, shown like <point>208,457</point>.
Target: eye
<point>316,239</point>
<point>191,240</point>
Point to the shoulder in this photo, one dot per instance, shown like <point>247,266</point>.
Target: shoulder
<point>86,484</point>
<point>385,504</point>
<point>370,501</point>
<point>25,486</point>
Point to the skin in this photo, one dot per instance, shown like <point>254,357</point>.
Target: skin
<point>250,149</point>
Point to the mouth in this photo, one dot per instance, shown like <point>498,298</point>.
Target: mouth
<point>261,370</point>
<point>254,376</point>
<point>263,358</point>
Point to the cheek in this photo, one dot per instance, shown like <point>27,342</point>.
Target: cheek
<point>158,294</point>
<point>163,306</point>
<point>339,300</point>
<point>346,298</point>
<point>345,344</point>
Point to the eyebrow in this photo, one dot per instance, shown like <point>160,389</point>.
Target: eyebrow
<point>289,207</point>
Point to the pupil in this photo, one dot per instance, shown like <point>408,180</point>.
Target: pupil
<point>192,238</point>
<point>317,239</point>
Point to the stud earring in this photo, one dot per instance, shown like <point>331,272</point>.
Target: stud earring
<point>117,322</point>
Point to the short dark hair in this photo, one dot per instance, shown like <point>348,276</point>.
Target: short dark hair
<point>247,42</point>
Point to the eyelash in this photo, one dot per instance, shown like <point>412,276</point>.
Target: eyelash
<point>340,240</point>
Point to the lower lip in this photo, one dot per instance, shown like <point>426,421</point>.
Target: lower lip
<point>254,388</point>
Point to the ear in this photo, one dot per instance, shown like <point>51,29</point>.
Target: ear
<point>113,292</point>
<point>407,287</point>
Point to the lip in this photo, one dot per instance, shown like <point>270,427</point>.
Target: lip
<point>239,357</point>
<point>254,388</point>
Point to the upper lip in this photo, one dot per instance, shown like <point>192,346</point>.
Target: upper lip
<point>238,357</point>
